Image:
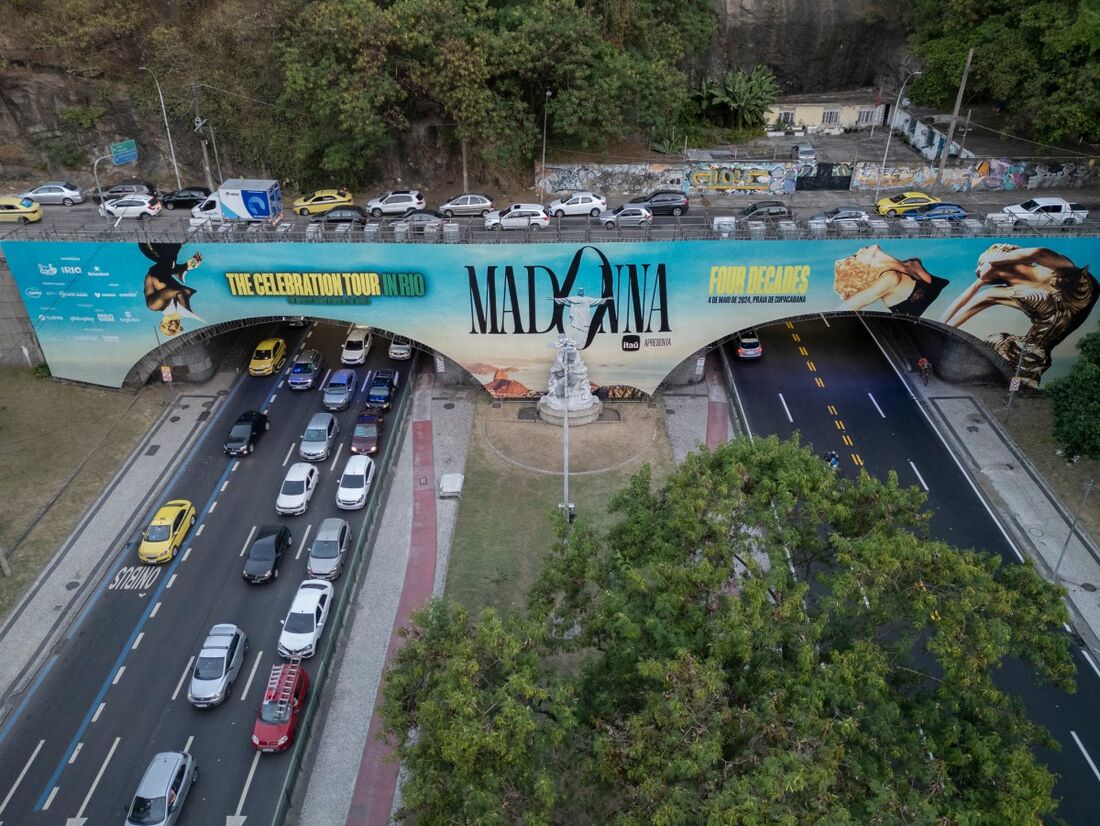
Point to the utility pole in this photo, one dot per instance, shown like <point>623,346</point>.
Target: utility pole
<point>966,131</point>
<point>890,129</point>
<point>1072,528</point>
<point>167,129</point>
<point>465,176</point>
<point>200,131</point>
<point>954,119</point>
<point>545,112</point>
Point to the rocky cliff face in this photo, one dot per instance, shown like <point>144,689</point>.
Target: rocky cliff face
<point>811,45</point>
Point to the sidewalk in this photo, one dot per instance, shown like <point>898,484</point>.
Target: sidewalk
<point>67,584</point>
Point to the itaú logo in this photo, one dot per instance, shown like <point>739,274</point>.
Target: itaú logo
<point>533,298</point>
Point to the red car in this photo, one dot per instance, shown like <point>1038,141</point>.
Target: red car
<point>284,702</point>
<point>368,430</point>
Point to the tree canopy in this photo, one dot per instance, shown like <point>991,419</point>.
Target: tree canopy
<point>675,670</point>
<point>1076,398</point>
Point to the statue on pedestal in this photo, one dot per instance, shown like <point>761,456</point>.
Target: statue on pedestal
<point>569,392</point>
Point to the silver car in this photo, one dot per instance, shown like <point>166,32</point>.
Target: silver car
<point>163,790</point>
<point>318,437</point>
<point>217,666</point>
<point>330,546</point>
<point>339,390</point>
<point>627,215</point>
<point>468,203</point>
<point>55,192</point>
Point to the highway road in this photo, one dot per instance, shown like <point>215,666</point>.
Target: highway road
<point>828,380</point>
<point>117,693</point>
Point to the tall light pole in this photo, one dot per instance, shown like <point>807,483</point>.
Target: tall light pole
<point>545,111</point>
<point>164,111</point>
<point>890,129</point>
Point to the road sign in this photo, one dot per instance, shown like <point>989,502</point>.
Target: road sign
<point>124,152</point>
<point>166,374</point>
<point>1014,385</point>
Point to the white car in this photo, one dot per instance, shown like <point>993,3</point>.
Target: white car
<point>400,348</point>
<point>355,483</point>
<point>297,489</point>
<point>306,619</point>
<point>519,216</point>
<point>579,203</point>
<point>397,202</point>
<point>132,206</point>
<point>356,346</point>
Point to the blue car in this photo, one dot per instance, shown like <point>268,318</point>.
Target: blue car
<point>340,390</point>
<point>936,212</point>
<point>380,392</point>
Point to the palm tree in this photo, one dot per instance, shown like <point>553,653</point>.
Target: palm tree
<point>747,96</point>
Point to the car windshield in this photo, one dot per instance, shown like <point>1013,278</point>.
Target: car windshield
<point>315,434</point>
<point>303,367</point>
<point>270,712</point>
<point>832,213</point>
<point>337,386</point>
<point>1031,204</point>
<point>262,354</point>
<point>353,344</point>
<point>209,668</point>
<point>325,549</point>
<point>352,480</point>
<point>148,810</point>
<point>299,624</point>
<point>365,431</point>
<point>293,487</point>
<point>264,549</point>
<point>158,533</point>
<point>380,391</point>
<point>897,199</point>
<point>240,432</point>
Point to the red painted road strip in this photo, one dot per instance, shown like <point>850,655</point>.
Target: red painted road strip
<point>377,781</point>
<point>718,412</point>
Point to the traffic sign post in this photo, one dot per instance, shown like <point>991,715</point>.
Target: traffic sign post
<point>124,152</point>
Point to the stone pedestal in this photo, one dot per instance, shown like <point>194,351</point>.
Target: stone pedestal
<point>552,415</point>
<point>569,396</point>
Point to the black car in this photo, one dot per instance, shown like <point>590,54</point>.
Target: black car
<point>664,202</point>
<point>768,211</point>
<point>185,198</point>
<point>125,188</point>
<point>244,433</point>
<point>262,562</point>
<point>354,215</point>
<point>380,392</point>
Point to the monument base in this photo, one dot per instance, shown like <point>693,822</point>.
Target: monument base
<point>551,415</point>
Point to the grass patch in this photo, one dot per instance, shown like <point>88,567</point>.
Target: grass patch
<point>503,529</point>
<point>47,429</point>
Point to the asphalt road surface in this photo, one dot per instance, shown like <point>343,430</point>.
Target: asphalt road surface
<point>829,381</point>
<point>118,693</point>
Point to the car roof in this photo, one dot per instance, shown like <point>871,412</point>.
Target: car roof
<point>358,332</point>
<point>343,374</point>
<point>526,206</point>
<point>317,192</point>
<point>464,194</point>
<point>299,471</point>
<point>357,464</point>
<point>367,418</point>
<point>309,593</point>
<point>385,373</point>
<point>330,528</point>
<point>249,416</point>
<point>318,419</point>
<point>268,531</point>
<point>158,776</point>
<point>307,355</point>
<point>268,342</point>
<point>169,510</point>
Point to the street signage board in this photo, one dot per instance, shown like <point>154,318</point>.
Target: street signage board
<point>124,152</point>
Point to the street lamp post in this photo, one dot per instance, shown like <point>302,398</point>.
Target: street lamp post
<point>545,111</point>
<point>890,128</point>
<point>1072,528</point>
<point>168,131</point>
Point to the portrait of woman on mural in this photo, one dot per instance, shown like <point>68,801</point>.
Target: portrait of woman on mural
<point>165,290</point>
<point>1054,293</point>
<point>873,275</point>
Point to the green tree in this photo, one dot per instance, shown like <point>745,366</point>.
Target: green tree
<point>747,96</point>
<point>1076,398</point>
<point>714,686</point>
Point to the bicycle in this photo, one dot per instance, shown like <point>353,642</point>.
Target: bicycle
<point>925,368</point>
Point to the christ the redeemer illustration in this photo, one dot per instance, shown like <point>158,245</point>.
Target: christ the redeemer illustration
<point>580,309</point>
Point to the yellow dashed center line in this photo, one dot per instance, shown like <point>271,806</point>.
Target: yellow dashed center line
<point>802,351</point>
<point>810,366</point>
<point>820,382</point>
<point>839,424</point>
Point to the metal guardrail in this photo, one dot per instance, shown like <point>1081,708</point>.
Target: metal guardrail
<point>699,227</point>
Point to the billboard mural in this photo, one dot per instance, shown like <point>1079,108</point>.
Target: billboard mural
<point>636,310</point>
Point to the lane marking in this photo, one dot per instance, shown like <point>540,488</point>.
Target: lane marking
<point>186,554</point>
<point>847,440</point>
<point>287,459</point>
<point>1090,661</point>
<point>22,774</point>
<point>875,403</point>
<point>76,753</point>
<point>213,505</point>
<point>272,399</point>
<point>839,424</point>
<point>336,457</point>
<point>281,383</point>
<point>802,351</point>
<point>248,541</point>
<point>153,613</point>
<point>171,582</point>
<point>247,783</point>
<point>827,324</point>
<point>98,711</point>
<point>920,478</point>
<point>49,799</point>
<point>302,544</point>
<point>248,684</point>
<point>236,464</point>
<point>786,409</point>
<point>118,676</point>
<point>98,777</point>
<point>202,527</point>
<point>857,459</point>
<point>187,745</point>
<point>1080,745</point>
<point>820,382</point>
<point>790,325</point>
<point>811,367</point>
<point>225,484</point>
<point>183,676</point>
<point>324,380</point>
<point>831,408</point>
<point>137,642</point>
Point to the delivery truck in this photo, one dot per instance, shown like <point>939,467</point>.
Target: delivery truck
<point>241,199</point>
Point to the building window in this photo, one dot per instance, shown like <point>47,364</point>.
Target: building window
<point>830,117</point>
<point>786,118</point>
<point>868,116</point>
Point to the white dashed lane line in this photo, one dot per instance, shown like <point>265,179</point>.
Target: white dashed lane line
<point>919,477</point>
<point>786,409</point>
<point>22,774</point>
<point>1088,759</point>
<point>248,541</point>
<point>875,403</point>
<point>302,544</point>
<point>291,450</point>
<point>251,674</point>
<point>137,640</point>
<point>183,676</point>
<point>225,484</point>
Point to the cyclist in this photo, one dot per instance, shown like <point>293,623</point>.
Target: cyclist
<point>925,368</point>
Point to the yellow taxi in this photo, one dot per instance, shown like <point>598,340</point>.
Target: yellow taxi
<point>322,201</point>
<point>269,356</point>
<point>163,537</point>
<point>903,202</point>
<point>23,210</point>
